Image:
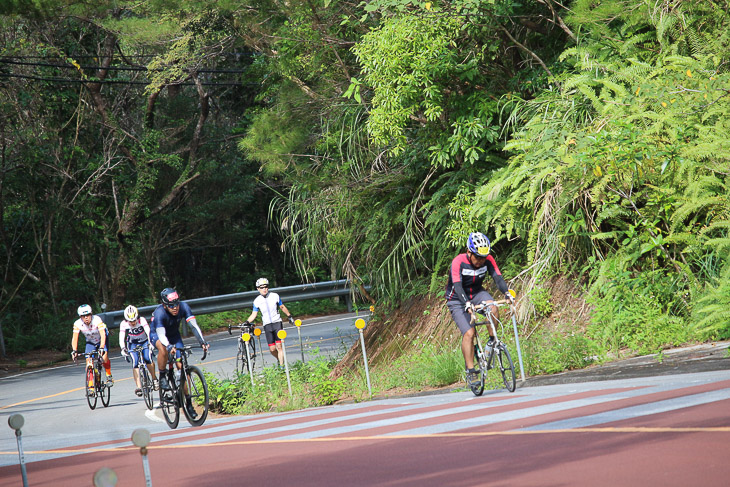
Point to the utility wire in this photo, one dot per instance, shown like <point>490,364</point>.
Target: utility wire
<point>116,81</point>
<point>114,68</point>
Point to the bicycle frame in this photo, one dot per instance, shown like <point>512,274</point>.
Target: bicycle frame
<point>498,354</point>
<point>145,376</point>
<point>246,352</point>
<point>502,303</point>
<point>94,374</point>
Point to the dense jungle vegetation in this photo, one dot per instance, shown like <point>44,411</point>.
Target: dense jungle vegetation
<point>202,143</point>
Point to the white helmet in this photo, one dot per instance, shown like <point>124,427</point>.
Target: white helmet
<point>262,282</point>
<point>84,309</point>
<point>478,244</point>
<point>130,313</point>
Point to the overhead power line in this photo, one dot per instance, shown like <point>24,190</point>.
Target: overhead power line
<point>113,68</point>
<point>118,81</point>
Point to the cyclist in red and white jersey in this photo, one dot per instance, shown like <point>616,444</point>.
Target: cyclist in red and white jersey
<point>96,334</point>
<point>269,303</point>
<point>464,288</point>
<point>134,332</point>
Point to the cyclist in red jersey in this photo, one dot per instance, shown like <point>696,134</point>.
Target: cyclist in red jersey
<point>464,287</point>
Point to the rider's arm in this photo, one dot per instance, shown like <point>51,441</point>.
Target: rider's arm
<point>75,340</point>
<point>253,316</point>
<point>123,334</point>
<point>283,308</point>
<point>162,336</point>
<point>497,276</point>
<point>145,326</point>
<point>196,329</point>
<point>102,333</point>
<point>455,270</point>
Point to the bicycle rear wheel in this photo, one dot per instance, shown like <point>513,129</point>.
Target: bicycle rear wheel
<point>198,390</point>
<point>145,380</point>
<point>507,368</point>
<point>170,407</point>
<point>90,389</point>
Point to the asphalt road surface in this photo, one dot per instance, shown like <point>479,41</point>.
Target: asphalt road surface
<point>631,429</point>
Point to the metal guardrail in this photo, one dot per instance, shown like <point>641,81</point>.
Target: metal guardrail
<point>228,302</point>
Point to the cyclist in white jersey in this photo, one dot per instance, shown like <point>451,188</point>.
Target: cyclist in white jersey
<point>96,334</point>
<point>269,304</point>
<point>134,332</point>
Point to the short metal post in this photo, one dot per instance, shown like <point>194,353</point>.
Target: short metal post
<point>517,341</point>
<point>360,324</point>
<point>282,335</point>
<point>246,337</point>
<point>257,334</point>
<point>298,324</point>
<point>16,421</point>
<point>141,438</point>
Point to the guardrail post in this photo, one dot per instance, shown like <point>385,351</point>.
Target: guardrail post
<point>282,335</point>
<point>141,438</point>
<point>16,421</point>
<point>348,300</point>
<point>360,324</point>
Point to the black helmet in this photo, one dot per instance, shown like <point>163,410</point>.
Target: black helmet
<point>169,296</point>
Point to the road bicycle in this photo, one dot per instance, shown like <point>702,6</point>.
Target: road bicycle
<point>189,378</point>
<point>242,357</point>
<point>496,355</point>
<point>96,386</point>
<point>145,377</point>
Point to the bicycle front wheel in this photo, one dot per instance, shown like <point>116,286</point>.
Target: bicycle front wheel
<point>145,380</point>
<point>170,407</point>
<point>90,388</point>
<point>198,390</point>
<point>241,364</point>
<point>507,368</point>
<point>104,390</point>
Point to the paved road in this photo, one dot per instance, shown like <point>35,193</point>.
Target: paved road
<point>670,430</point>
<point>645,430</point>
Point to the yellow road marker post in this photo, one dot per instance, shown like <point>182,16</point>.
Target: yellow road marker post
<point>282,335</point>
<point>360,324</point>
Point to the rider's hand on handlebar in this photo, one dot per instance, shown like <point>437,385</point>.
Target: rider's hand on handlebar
<point>74,354</point>
<point>291,320</point>
<point>469,307</point>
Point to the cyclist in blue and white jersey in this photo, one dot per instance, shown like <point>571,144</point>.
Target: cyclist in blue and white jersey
<point>134,332</point>
<point>464,287</point>
<point>96,334</point>
<point>269,304</point>
<point>165,333</point>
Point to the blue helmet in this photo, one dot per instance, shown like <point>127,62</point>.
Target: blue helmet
<point>478,244</point>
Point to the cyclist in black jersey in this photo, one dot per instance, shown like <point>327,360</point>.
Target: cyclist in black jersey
<point>464,287</point>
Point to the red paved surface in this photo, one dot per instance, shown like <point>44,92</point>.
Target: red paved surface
<point>656,449</point>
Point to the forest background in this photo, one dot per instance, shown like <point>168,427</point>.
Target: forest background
<point>202,144</point>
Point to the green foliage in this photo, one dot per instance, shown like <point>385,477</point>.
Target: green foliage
<point>634,310</point>
<point>311,386</point>
<point>549,353</point>
<point>541,302</point>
